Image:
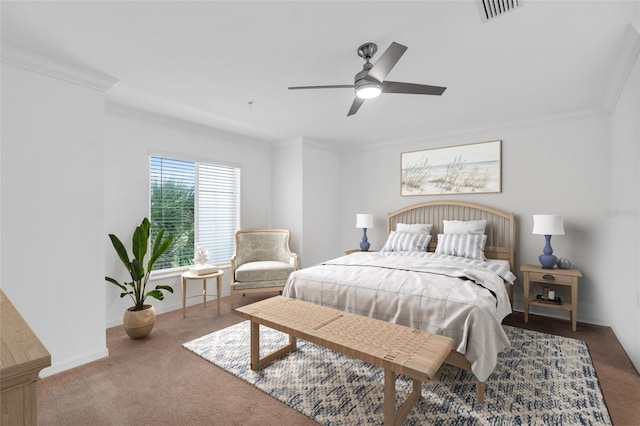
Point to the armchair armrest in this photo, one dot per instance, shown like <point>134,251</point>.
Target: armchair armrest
<point>232,268</point>
<point>294,260</point>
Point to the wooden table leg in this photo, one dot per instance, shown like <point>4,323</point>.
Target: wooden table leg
<point>574,304</point>
<point>204,291</point>
<point>526,297</point>
<point>219,290</point>
<point>184,296</point>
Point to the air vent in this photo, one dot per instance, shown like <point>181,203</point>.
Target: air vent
<point>491,9</point>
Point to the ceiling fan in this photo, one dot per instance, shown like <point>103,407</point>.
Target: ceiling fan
<point>370,82</point>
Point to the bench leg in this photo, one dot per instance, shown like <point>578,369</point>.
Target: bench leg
<point>256,362</point>
<point>391,416</point>
<point>480,392</point>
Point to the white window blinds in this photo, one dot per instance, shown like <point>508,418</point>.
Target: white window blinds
<point>196,203</point>
<point>218,212</point>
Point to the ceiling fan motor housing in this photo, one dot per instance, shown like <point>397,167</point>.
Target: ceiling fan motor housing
<point>366,87</point>
<point>367,50</point>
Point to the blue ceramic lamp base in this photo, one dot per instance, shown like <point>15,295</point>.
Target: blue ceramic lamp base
<point>547,259</point>
<point>364,245</point>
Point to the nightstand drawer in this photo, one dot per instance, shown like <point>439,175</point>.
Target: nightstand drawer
<point>549,277</point>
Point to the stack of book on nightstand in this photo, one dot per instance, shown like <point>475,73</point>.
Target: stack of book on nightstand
<point>555,301</point>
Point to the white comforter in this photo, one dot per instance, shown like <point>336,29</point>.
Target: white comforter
<point>424,292</point>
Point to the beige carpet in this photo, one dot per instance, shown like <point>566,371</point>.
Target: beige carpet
<point>156,381</point>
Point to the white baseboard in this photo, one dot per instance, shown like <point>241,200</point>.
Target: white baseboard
<point>554,313</point>
<point>628,346</point>
<point>72,363</point>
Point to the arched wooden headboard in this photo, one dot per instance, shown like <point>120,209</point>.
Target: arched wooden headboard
<point>500,230</point>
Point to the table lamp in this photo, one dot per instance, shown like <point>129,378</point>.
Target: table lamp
<point>364,221</point>
<point>547,225</point>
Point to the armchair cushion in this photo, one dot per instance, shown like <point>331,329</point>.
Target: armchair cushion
<point>268,270</point>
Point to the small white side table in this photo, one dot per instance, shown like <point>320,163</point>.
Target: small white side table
<point>190,276</point>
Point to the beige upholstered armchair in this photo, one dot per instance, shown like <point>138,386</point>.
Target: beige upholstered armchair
<point>261,262</point>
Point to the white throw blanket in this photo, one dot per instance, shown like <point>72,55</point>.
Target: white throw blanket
<point>440,294</point>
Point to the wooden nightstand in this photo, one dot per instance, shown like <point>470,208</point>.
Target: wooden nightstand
<point>561,277</point>
<point>358,251</point>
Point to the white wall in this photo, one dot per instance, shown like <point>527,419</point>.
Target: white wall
<point>624,215</point>
<point>287,192</point>
<point>558,166</point>
<point>306,198</point>
<point>130,138</point>
<point>52,217</point>
<point>321,204</point>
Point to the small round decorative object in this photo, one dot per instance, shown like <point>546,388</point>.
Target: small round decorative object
<point>564,263</point>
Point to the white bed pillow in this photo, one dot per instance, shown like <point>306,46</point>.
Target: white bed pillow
<point>462,245</point>
<point>475,227</point>
<point>414,227</point>
<point>406,241</point>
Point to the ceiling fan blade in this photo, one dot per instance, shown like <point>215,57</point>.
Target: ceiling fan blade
<point>335,86</point>
<point>410,88</point>
<point>355,106</point>
<point>387,61</point>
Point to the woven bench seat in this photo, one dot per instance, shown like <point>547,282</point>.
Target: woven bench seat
<point>395,348</point>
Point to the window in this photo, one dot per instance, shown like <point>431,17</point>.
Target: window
<point>196,203</point>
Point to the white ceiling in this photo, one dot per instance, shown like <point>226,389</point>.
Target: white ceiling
<point>229,63</point>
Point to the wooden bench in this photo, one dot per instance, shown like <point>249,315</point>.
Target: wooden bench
<point>395,348</point>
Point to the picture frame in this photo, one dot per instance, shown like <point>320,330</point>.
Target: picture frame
<point>474,168</point>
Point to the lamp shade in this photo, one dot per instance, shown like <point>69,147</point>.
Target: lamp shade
<point>364,220</point>
<point>548,224</point>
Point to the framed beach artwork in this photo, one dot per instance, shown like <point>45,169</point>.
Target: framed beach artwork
<point>463,169</point>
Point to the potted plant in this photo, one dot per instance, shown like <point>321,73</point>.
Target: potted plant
<point>140,318</point>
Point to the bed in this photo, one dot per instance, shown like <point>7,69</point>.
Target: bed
<point>454,278</point>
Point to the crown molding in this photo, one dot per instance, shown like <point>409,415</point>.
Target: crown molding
<point>472,131</point>
<point>57,69</point>
<point>624,64</point>
<point>173,116</point>
<point>321,145</point>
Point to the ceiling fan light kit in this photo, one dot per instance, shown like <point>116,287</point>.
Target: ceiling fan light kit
<point>370,82</point>
<point>368,90</point>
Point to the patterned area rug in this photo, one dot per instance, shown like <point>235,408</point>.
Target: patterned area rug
<point>540,379</point>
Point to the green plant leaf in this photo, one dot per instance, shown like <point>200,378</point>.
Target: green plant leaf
<point>159,248</point>
<point>157,241</point>
<point>164,287</point>
<point>156,294</point>
<point>141,241</point>
<point>112,281</point>
<point>137,271</point>
<point>122,252</point>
